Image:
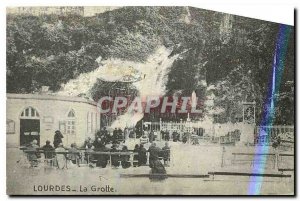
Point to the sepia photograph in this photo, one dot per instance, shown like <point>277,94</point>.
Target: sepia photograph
<point>148,100</point>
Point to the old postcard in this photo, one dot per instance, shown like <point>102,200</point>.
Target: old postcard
<point>148,101</point>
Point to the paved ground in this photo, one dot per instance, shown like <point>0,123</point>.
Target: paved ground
<point>186,159</point>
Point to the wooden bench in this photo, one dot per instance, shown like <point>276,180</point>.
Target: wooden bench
<point>282,170</point>
<point>83,153</point>
<point>168,175</point>
<point>286,155</point>
<point>39,150</point>
<point>131,154</point>
<point>253,160</point>
<point>248,174</point>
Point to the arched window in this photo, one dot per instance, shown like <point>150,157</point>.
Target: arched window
<point>30,113</point>
<point>71,129</point>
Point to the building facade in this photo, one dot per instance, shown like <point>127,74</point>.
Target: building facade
<point>38,116</point>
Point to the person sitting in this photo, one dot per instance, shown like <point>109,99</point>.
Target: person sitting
<point>142,155</point>
<point>33,155</point>
<point>136,155</point>
<point>89,157</point>
<point>115,158</point>
<point>166,154</point>
<point>74,154</point>
<point>144,139</point>
<point>125,158</point>
<point>115,136</point>
<point>48,150</point>
<point>61,160</point>
<point>154,152</point>
<point>87,142</point>
<point>276,142</point>
<point>106,136</point>
<point>98,144</point>
<point>48,153</point>
<point>102,159</point>
<point>120,135</point>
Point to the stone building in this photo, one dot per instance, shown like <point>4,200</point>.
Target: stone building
<point>38,116</point>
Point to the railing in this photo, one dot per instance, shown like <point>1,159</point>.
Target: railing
<point>265,134</point>
<point>130,154</point>
<point>250,157</point>
<point>81,154</point>
<point>172,126</point>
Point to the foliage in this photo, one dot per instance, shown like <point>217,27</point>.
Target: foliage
<point>215,47</point>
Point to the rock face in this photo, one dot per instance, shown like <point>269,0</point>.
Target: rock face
<point>233,53</point>
<point>226,28</point>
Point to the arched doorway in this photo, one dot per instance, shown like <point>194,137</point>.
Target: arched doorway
<point>29,126</point>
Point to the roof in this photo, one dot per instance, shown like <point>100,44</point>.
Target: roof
<point>50,97</point>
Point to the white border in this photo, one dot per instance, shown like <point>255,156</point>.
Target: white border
<point>280,11</point>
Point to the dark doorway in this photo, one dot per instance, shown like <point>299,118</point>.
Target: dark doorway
<point>29,131</point>
<point>199,131</point>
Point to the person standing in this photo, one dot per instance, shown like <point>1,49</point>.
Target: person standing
<point>162,134</point>
<point>74,154</point>
<point>166,154</point>
<point>136,155</point>
<point>57,138</point>
<point>167,136</point>
<point>275,145</point>
<point>126,134</point>
<point>151,136</point>
<point>142,155</point>
<point>158,171</point>
<point>184,138</point>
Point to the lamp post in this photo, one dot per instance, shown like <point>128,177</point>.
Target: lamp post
<point>110,113</point>
<point>248,115</point>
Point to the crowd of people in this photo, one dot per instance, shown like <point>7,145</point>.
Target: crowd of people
<point>90,152</point>
<point>149,136</point>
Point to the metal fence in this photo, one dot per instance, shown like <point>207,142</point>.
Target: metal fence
<point>268,134</point>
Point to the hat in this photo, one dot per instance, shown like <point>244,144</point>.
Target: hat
<point>57,131</point>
